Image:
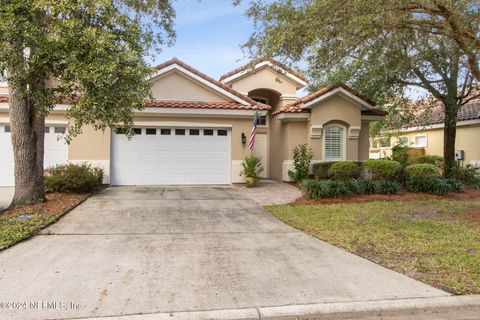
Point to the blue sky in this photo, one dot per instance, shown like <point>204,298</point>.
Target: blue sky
<point>209,36</point>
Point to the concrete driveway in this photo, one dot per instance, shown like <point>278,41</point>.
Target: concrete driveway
<point>6,196</point>
<point>132,250</point>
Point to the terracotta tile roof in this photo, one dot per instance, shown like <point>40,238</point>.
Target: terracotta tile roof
<point>211,80</point>
<point>253,63</point>
<point>189,104</point>
<point>469,111</point>
<point>200,105</point>
<point>331,87</point>
<point>296,107</point>
<point>291,108</point>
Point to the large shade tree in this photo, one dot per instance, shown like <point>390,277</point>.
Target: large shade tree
<point>381,48</point>
<point>87,53</point>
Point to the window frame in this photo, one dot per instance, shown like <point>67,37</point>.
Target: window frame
<point>420,135</point>
<point>60,128</point>
<point>255,98</point>
<point>343,141</point>
<point>147,130</point>
<point>267,122</point>
<point>165,132</point>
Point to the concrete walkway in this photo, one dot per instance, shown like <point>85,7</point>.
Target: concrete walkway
<point>6,196</point>
<point>270,192</point>
<point>143,250</point>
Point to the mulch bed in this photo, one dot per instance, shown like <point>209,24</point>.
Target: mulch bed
<point>466,194</point>
<point>54,204</point>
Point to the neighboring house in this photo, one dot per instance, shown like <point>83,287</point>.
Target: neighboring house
<point>194,130</point>
<point>427,133</point>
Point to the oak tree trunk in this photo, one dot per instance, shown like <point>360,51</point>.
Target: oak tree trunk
<point>449,137</point>
<point>27,130</point>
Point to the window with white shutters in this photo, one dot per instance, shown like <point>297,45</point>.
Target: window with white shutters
<point>334,143</point>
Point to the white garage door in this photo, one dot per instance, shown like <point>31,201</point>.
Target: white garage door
<point>171,156</point>
<point>56,151</point>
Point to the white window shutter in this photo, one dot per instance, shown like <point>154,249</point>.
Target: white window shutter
<point>334,143</point>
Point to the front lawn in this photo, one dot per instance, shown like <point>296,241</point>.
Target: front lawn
<point>24,222</point>
<point>434,241</point>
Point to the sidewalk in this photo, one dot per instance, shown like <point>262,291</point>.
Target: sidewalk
<point>445,308</point>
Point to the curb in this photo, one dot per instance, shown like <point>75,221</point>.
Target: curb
<point>307,311</point>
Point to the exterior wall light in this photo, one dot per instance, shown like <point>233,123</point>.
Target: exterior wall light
<point>244,138</point>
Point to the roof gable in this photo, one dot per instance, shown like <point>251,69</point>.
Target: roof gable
<point>174,85</point>
<point>188,71</point>
<point>298,79</point>
<point>306,103</point>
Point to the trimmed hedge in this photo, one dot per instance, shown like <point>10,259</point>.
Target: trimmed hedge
<point>422,170</point>
<point>73,178</point>
<point>431,159</point>
<point>383,169</point>
<point>320,169</point>
<point>344,170</point>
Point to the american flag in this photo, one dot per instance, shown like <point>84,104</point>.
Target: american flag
<point>251,141</point>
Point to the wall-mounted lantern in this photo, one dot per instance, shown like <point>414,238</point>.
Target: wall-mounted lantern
<point>244,138</point>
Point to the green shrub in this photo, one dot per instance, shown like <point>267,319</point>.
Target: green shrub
<point>314,189</point>
<point>467,175</point>
<point>366,187</point>
<point>382,169</point>
<point>252,167</point>
<point>344,170</point>
<point>302,156</point>
<point>455,185</point>
<point>400,154</point>
<point>422,170</point>
<point>339,189</point>
<point>387,187</point>
<point>73,178</point>
<point>435,185</point>
<point>437,161</point>
<point>317,189</point>
<point>320,169</point>
<point>417,185</point>
<point>439,186</point>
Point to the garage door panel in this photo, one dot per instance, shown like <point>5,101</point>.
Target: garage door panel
<point>56,151</point>
<point>194,156</point>
<point>180,155</point>
<point>211,155</point>
<point>171,159</point>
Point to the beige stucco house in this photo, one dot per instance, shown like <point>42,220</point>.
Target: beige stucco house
<point>426,133</point>
<point>193,130</point>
